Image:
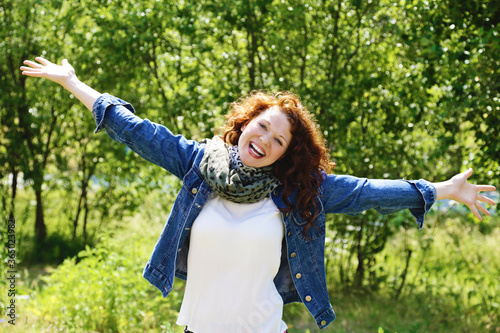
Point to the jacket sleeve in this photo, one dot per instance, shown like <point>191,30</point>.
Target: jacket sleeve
<point>352,195</point>
<point>151,141</point>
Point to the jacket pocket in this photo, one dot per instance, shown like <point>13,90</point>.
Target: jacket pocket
<point>317,229</point>
<point>190,187</point>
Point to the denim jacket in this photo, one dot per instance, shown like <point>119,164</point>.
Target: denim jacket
<point>301,276</point>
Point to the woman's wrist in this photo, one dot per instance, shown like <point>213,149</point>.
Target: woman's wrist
<point>444,190</point>
<point>80,90</point>
<point>71,83</point>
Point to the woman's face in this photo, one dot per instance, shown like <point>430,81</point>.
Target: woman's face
<point>265,138</point>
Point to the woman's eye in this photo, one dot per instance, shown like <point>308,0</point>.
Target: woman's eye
<point>279,142</point>
<point>263,126</point>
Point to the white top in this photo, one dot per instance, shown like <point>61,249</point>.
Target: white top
<point>234,255</point>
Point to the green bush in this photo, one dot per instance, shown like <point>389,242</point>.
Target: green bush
<point>452,286</point>
<point>102,290</point>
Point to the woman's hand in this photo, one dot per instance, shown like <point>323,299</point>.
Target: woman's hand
<point>61,74</point>
<point>459,189</point>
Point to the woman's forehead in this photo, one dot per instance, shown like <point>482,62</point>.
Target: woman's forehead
<point>277,119</point>
<point>272,112</point>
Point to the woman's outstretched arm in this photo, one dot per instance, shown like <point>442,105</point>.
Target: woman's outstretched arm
<point>352,195</point>
<point>459,189</point>
<point>154,142</point>
<point>63,74</point>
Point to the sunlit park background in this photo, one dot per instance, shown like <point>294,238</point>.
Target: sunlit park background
<point>401,89</point>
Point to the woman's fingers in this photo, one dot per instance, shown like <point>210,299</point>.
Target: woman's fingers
<point>487,200</point>
<point>485,188</point>
<point>34,73</point>
<point>468,173</point>
<point>43,61</point>
<point>24,68</point>
<point>35,69</point>
<point>475,212</point>
<point>481,208</point>
<point>32,69</point>
<point>32,64</point>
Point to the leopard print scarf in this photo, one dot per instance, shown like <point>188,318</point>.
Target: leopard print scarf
<point>229,178</point>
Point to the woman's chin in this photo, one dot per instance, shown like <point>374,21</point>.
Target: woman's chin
<point>250,161</point>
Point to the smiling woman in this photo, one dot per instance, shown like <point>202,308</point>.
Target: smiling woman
<point>265,139</point>
<point>249,221</point>
<point>304,155</point>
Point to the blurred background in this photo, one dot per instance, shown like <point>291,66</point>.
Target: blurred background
<point>400,89</point>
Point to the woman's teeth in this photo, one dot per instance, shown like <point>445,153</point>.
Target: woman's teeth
<point>257,151</point>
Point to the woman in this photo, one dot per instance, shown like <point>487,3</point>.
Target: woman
<point>249,221</point>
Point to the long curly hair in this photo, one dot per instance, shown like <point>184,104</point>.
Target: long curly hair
<point>306,157</point>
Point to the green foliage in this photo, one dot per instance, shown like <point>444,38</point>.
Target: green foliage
<point>400,89</point>
<point>452,287</point>
<point>102,289</point>
<point>390,84</point>
<point>452,284</point>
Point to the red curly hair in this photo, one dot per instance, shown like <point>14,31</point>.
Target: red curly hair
<point>306,156</point>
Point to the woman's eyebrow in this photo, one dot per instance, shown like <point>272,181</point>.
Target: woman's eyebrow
<point>270,125</point>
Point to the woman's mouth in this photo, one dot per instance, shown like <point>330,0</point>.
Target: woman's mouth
<point>255,150</point>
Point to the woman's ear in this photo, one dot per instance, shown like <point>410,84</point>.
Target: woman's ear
<point>242,128</point>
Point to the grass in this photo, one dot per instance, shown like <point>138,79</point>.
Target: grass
<point>452,286</point>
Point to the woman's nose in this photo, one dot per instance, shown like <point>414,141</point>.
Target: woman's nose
<point>265,139</point>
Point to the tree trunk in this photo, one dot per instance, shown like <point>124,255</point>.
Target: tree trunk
<point>40,228</point>
<point>251,43</point>
<point>83,198</point>
<point>86,213</point>
<point>360,270</point>
<point>13,193</point>
<point>403,275</point>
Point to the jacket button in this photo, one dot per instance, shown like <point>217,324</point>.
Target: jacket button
<point>194,190</point>
<point>308,299</point>
<point>289,233</point>
<point>298,276</point>
<point>293,255</point>
<point>323,323</point>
